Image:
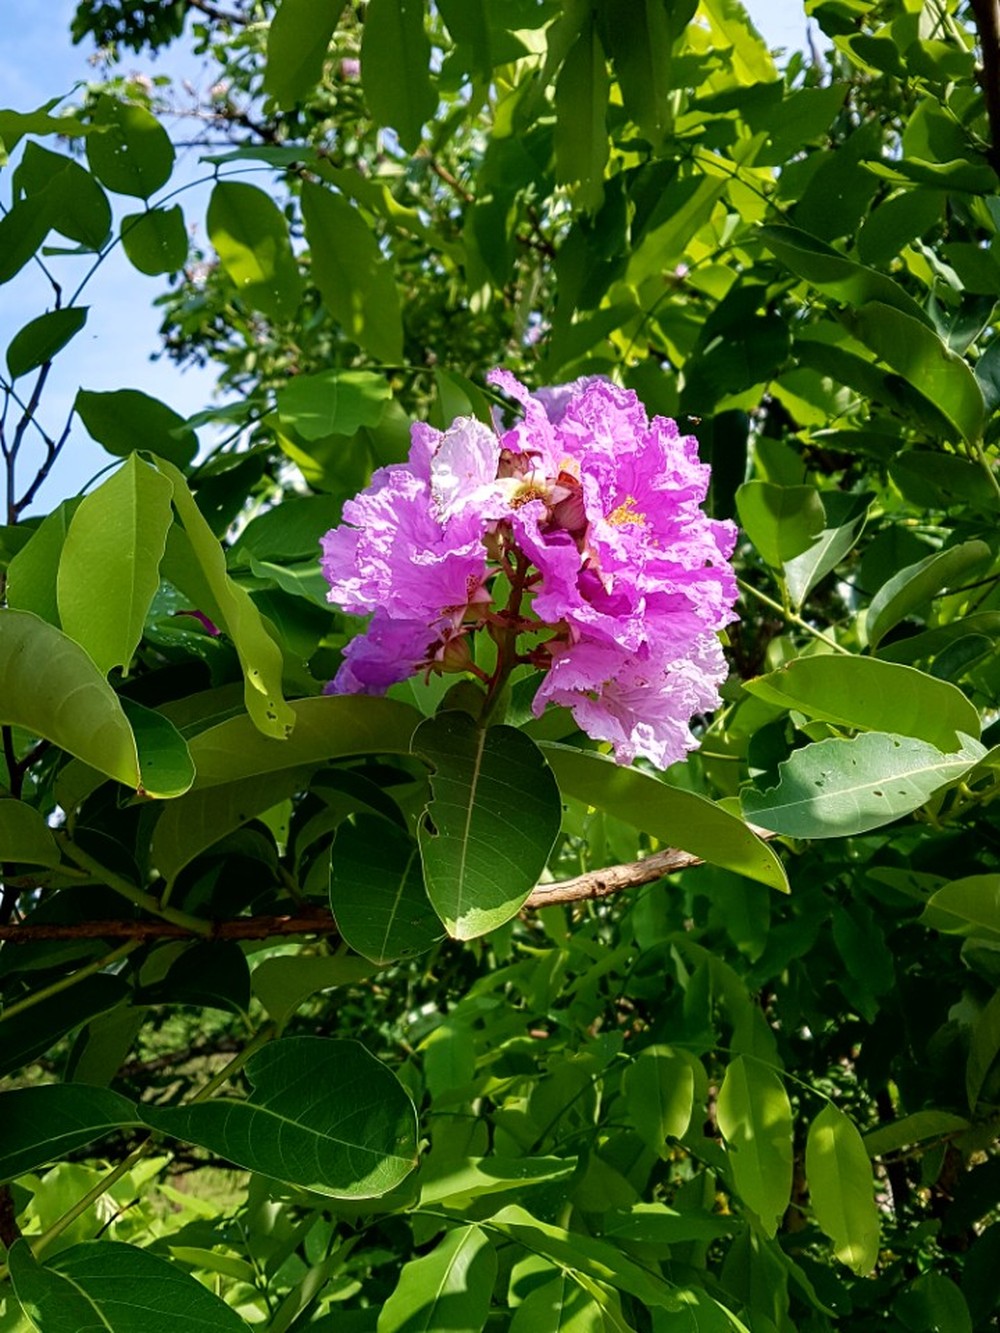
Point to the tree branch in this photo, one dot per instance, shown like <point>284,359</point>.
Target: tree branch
<point>987,16</point>
<point>219,15</point>
<point>595,884</point>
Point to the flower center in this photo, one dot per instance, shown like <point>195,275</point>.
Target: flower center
<point>626,513</point>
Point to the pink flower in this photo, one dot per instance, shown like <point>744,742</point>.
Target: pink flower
<point>593,514</point>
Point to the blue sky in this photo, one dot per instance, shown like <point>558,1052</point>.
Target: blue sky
<point>37,62</point>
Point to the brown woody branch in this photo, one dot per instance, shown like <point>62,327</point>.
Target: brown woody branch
<point>595,884</point>
<point>987,16</point>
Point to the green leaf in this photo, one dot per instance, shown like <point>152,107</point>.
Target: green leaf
<point>230,607</point>
<point>559,1306</point>
<point>250,235</point>
<point>924,360</point>
<point>659,1095</point>
<point>164,759</point>
<point>377,891</point>
<point>290,531</point>
<point>845,518</point>
<point>14,125</point>
<point>297,43</point>
<point>449,1288</point>
<point>43,1124</point>
<point>641,38</point>
<point>125,420</point>
<point>42,338</point>
<point>933,1304</point>
<point>157,241</point>
<point>984,1046</point>
<point>74,203</point>
<point>973,901</point>
<point>29,1034</point>
<point>755,1117</point>
<point>835,275</point>
<point>25,836</point>
<point>474,1177</point>
<point>323,1114</point>
<point>189,826</point>
<point>657,1224</point>
<point>22,230</point>
<point>51,688</point>
<point>133,154</point>
<point>581,139</point>
<point>842,1189</point>
<point>871,695</point>
<point>109,569</point>
<point>282,984</point>
<point>354,279</point>
<point>32,573</point>
<point>836,787</point>
<point>916,1128</point>
<point>677,818</point>
<point>915,585</point>
<point>333,402</point>
<point>781,521</point>
<point>395,68</point>
<point>105,1285</point>
<point>325,728</point>
<point>492,820</point>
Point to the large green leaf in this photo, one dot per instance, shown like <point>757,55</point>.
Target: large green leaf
<point>842,1189</point>
<point>559,1306</point>
<point>493,817</point>
<point>109,570</point>
<point>189,826</point>
<point>581,138</point>
<point>676,817</point>
<point>34,568</point>
<point>377,891</point>
<point>871,695</point>
<point>641,38</point>
<point>44,1124</point>
<point>115,1288</point>
<point>845,519</point>
<point>834,274</point>
<point>324,728</point>
<point>282,984</point>
<point>157,241</point>
<point>912,1129</point>
<point>250,235</point>
<point>914,586</point>
<point>51,688</point>
<point>659,1095</point>
<point>605,1262</point>
<point>836,787</point>
<point>354,279</point>
<point>324,1115</point>
<point>297,42</point>
<point>33,1031</point>
<point>395,68</point>
<point>124,420</point>
<point>925,361</point>
<point>132,154</point>
<point>781,521</point>
<point>40,339</point>
<point>933,1304</point>
<point>755,1117</point>
<point>450,1288</point>
<point>984,1046</point>
<point>25,836</point>
<point>165,761</point>
<point>474,1177</point>
<point>72,201</point>
<point>332,402</point>
<point>199,569</point>
<point>969,905</point>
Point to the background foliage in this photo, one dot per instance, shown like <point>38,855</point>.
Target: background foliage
<point>248,1079</point>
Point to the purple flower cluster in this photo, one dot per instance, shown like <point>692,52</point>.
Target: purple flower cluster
<point>594,515</point>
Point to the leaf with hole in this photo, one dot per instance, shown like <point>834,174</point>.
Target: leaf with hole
<point>493,817</point>
<point>836,787</point>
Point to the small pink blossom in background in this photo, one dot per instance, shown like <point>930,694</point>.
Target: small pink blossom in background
<point>598,510</point>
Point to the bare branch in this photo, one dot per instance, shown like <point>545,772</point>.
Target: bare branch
<point>987,15</point>
<point>584,888</point>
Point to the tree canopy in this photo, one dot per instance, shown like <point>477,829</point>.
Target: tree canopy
<point>712,1048</point>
